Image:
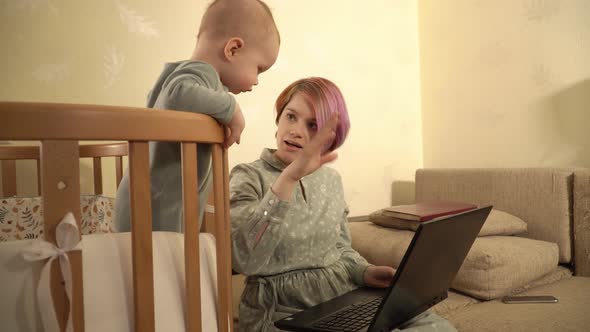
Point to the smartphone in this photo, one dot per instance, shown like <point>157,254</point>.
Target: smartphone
<point>530,299</point>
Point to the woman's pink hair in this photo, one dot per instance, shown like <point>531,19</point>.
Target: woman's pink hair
<point>324,98</point>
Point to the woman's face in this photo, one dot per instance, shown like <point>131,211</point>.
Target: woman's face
<point>297,126</point>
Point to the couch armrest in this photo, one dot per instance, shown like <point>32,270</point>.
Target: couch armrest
<point>582,222</point>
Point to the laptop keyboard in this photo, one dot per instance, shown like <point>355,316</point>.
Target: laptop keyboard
<point>351,318</point>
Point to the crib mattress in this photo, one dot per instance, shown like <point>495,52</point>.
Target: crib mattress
<point>108,288</point>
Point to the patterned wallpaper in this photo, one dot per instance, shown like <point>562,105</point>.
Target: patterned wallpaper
<point>92,51</point>
<point>491,84</point>
<point>111,52</point>
<point>505,83</point>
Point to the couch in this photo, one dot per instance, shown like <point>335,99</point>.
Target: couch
<point>552,257</point>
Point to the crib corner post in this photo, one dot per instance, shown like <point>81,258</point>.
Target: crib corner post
<point>60,175</point>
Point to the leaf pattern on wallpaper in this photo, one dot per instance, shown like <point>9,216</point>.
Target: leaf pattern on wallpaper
<point>51,72</point>
<point>540,10</point>
<point>113,61</point>
<point>31,5</point>
<point>494,54</point>
<point>136,23</point>
<point>543,77</point>
<point>581,46</point>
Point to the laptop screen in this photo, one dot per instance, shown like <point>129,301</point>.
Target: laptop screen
<point>429,265</point>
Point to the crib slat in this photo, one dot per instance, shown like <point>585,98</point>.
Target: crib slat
<point>97,170</point>
<point>60,174</point>
<point>222,244</point>
<point>119,169</point>
<point>9,178</point>
<point>141,237</point>
<point>208,225</point>
<point>38,163</point>
<point>227,237</point>
<point>190,203</point>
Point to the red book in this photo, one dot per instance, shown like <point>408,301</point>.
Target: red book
<point>424,211</point>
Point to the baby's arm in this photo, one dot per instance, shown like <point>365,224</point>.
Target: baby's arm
<point>256,220</point>
<point>233,130</point>
<point>194,90</point>
<point>189,89</point>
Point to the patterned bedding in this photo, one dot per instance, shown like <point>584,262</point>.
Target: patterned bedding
<point>22,218</point>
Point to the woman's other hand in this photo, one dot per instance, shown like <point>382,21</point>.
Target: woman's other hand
<point>378,276</point>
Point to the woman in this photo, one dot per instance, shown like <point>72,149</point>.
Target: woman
<point>289,218</point>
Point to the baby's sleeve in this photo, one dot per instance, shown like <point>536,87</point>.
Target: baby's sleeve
<point>197,92</point>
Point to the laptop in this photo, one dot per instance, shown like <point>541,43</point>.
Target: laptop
<point>422,279</point>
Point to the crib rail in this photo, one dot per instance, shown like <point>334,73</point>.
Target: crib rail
<point>10,154</point>
<point>49,121</point>
<point>60,127</point>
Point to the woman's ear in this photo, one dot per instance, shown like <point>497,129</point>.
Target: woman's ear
<point>232,47</point>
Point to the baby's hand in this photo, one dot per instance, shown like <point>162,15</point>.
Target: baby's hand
<point>233,130</point>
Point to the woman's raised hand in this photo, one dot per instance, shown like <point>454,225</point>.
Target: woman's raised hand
<point>315,153</point>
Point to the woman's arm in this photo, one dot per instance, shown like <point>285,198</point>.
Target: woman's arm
<point>361,271</point>
<point>256,220</point>
<point>356,263</point>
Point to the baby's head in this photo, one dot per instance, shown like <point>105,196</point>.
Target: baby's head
<point>324,98</point>
<point>239,38</point>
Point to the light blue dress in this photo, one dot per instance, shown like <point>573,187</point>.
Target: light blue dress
<point>304,254</point>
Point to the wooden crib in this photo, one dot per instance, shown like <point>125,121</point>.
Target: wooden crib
<point>60,128</point>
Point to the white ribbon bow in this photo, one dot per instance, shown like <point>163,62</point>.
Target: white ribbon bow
<point>68,239</point>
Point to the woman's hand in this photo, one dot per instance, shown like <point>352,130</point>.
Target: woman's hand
<point>314,154</point>
<point>378,276</point>
<point>310,159</point>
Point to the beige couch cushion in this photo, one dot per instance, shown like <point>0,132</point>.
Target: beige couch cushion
<point>539,196</point>
<point>495,265</point>
<point>497,223</point>
<point>569,314</point>
<point>457,301</point>
<point>379,245</point>
<point>454,301</point>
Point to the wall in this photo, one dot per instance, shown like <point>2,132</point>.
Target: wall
<point>110,52</point>
<point>505,83</point>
